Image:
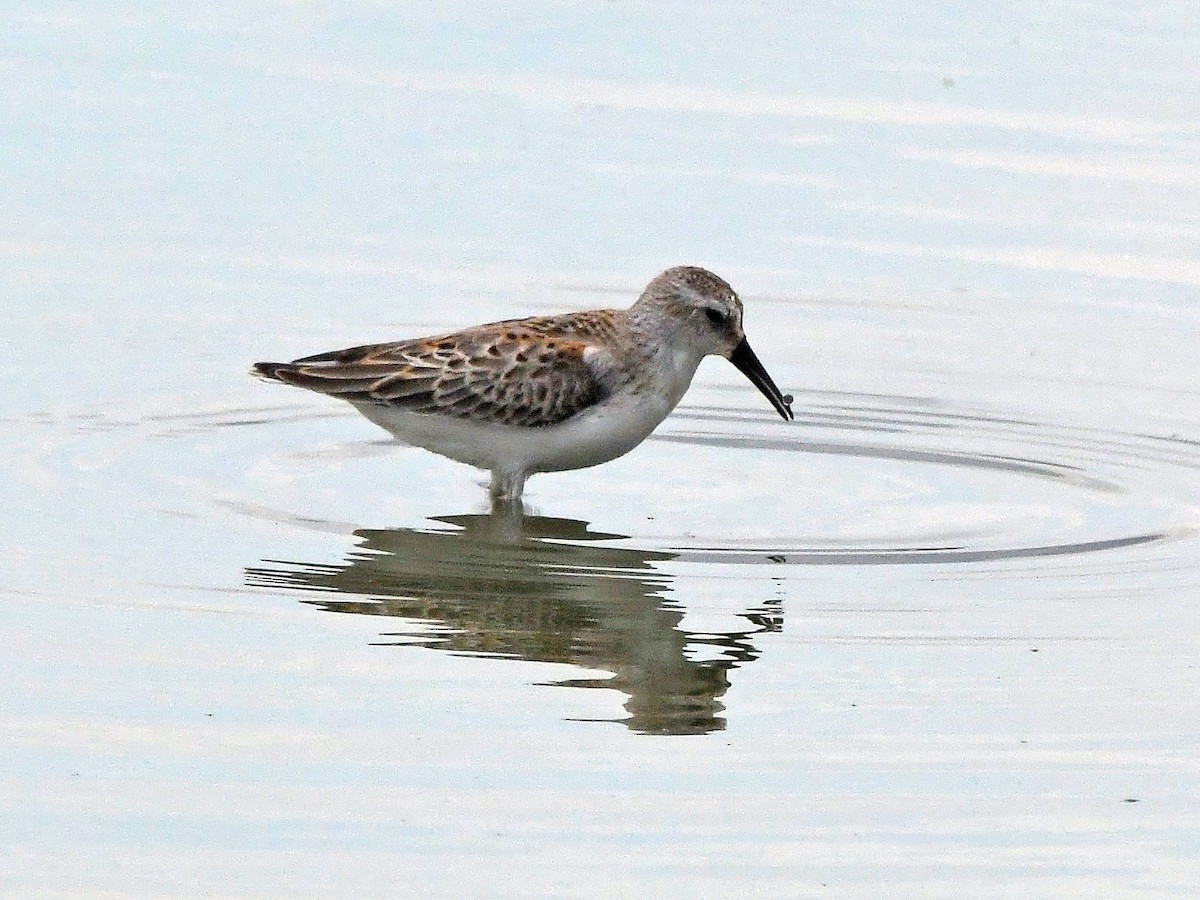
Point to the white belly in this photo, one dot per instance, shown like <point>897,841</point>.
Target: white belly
<point>606,431</point>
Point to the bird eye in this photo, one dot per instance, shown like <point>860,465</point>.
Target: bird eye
<point>715,316</point>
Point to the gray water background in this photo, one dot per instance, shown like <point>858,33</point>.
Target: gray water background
<point>936,639</point>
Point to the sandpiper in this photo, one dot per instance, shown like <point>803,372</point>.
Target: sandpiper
<point>547,393</point>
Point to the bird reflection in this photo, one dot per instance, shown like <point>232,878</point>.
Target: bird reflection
<point>540,589</point>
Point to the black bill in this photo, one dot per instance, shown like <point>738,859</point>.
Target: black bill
<point>743,357</point>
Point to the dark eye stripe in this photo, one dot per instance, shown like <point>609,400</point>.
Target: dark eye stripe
<point>714,316</point>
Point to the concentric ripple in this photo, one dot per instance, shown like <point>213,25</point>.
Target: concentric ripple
<point>966,486</point>
<point>887,481</point>
<point>883,480</point>
<point>859,481</point>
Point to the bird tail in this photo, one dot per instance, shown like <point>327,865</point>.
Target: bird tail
<point>269,371</point>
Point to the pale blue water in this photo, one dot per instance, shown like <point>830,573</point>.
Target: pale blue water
<point>936,639</point>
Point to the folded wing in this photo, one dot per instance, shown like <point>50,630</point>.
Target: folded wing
<point>506,374</point>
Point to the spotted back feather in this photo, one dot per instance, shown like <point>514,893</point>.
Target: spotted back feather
<point>525,372</point>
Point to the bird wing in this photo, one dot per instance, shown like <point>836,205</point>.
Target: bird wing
<point>508,373</point>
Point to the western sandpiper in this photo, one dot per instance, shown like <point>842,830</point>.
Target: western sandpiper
<point>547,393</point>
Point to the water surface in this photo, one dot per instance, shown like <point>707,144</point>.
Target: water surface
<point>936,638</point>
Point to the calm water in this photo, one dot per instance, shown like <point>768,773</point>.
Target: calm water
<point>938,638</point>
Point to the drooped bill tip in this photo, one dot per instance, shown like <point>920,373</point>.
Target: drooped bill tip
<point>748,364</point>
